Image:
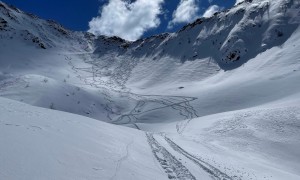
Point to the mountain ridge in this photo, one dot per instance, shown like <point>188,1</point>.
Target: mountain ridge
<point>232,48</point>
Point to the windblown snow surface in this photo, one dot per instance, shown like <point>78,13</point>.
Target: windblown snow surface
<point>220,99</point>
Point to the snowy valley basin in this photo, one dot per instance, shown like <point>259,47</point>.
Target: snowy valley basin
<point>219,99</point>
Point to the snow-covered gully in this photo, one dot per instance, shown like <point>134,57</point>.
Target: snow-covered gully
<point>181,104</point>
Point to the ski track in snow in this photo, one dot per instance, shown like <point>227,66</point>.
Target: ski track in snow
<point>213,171</point>
<point>226,38</point>
<point>182,106</point>
<point>122,159</point>
<point>177,103</point>
<point>172,167</point>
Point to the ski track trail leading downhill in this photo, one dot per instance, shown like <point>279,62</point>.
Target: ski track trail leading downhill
<point>180,104</point>
<point>92,76</point>
<point>214,172</point>
<point>174,168</point>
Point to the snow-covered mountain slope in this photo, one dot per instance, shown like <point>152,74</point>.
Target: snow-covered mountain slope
<point>268,131</point>
<point>16,24</point>
<point>38,143</point>
<point>220,98</point>
<point>173,60</point>
<point>227,40</point>
<point>263,141</point>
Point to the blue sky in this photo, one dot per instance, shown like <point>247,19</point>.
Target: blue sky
<point>144,17</point>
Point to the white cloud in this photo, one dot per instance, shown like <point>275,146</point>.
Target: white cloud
<point>187,11</point>
<point>125,19</point>
<point>211,10</point>
<point>238,1</point>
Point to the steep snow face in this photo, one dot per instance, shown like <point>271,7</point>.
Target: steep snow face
<point>227,40</point>
<point>16,24</point>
